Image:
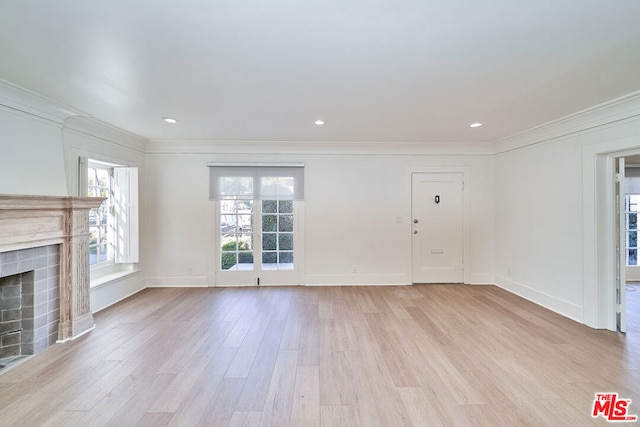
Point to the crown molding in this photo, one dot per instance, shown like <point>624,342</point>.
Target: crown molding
<point>26,101</point>
<point>106,132</point>
<point>319,148</point>
<point>624,108</point>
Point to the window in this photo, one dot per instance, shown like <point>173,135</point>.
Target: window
<point>632,202</point>
<point>113,226</point>
<point>100,184</point>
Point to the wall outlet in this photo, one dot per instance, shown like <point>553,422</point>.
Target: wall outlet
<point>354,269</point>
<point>189,271</point>
<point>509,271</point>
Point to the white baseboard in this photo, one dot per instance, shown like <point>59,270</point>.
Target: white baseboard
<point>177,282</point>
<point>115,290</point>
<point>481,279</point>
<point>356,279</point>
<point>560,306</point>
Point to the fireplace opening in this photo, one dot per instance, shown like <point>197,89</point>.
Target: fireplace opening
<point>29,301</point>
<point>16,317</point>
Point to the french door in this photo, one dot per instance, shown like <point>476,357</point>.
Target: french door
<point>257,242</point>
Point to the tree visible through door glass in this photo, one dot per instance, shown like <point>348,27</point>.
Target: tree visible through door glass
<point>277,234</point>
<point>236,238</point>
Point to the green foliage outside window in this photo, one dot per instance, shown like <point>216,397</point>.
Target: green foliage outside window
<point>230,255</point>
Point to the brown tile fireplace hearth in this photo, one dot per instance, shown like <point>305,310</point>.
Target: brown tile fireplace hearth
<point>44,271</point>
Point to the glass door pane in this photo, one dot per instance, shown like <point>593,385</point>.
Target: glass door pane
<point>236,235</point>
<point>277,235</point>
<point>632,202</point>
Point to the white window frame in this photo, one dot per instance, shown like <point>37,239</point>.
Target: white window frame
<point>103,215</point>
<point>123,222</point>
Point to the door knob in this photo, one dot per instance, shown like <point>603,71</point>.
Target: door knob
<point>415,221</point>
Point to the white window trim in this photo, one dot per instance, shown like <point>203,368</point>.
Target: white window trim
<point>126,257</point>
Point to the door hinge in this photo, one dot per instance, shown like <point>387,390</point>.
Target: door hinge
<point>617,178</point>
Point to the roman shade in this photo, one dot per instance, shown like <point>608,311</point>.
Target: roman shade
<point>256,181</point>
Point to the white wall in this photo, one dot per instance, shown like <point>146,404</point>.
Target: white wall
<point>352,202</point>
<point>538,210</point>
<point>31,156</point>
<point>40,142</point>
<point>545,188</point>
<point>84,137</point>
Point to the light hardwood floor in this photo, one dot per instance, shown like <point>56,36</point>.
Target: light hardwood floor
<point>362,356</point>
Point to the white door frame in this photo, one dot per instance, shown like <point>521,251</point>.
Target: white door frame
<point>466,213</point>
<point>621,251</point>
<point>599,229</point>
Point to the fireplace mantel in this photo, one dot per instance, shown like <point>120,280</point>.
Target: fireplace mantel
<point>33,221</point>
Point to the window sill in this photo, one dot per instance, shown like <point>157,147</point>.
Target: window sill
<point>107,279</point>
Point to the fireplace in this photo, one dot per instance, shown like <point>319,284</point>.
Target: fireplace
<point>16,315</point>
<point>29,300</point>
<point>44,271</point>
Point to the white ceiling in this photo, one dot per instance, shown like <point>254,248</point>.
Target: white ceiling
<point>374,70</point>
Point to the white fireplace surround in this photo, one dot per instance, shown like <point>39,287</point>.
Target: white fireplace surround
<point>34,221</point>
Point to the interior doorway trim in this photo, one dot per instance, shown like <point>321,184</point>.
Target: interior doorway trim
<point>599,229</point>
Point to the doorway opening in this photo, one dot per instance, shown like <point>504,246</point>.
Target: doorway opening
<point>628,247</point>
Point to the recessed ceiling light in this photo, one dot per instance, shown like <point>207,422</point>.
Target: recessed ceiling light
<point>475,125</point>
<point>319,122</point>
<point>170,120</point>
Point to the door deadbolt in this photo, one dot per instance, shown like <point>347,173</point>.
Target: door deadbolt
<point>415,221</point>
<point>415,231</point>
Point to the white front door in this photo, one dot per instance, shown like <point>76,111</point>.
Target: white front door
<point>437,227</point>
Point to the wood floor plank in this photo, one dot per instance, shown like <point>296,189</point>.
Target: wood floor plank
<point>306,397</point>
<point>256,385</point>
<point>222,406</point>
<point>335,416</point>
<point>279,401</point>
<point>250,308</point>
<point>196,402</point>
<point>135,407</point>
<point>64,418</point>
<point>293,327</point>
<point>155,420</point>
<point>418,407</point>
<point>309,338</point>
<point>332,390</point>
<point>245,419</point>
<point>173,395</point>
<point>361,356</point>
